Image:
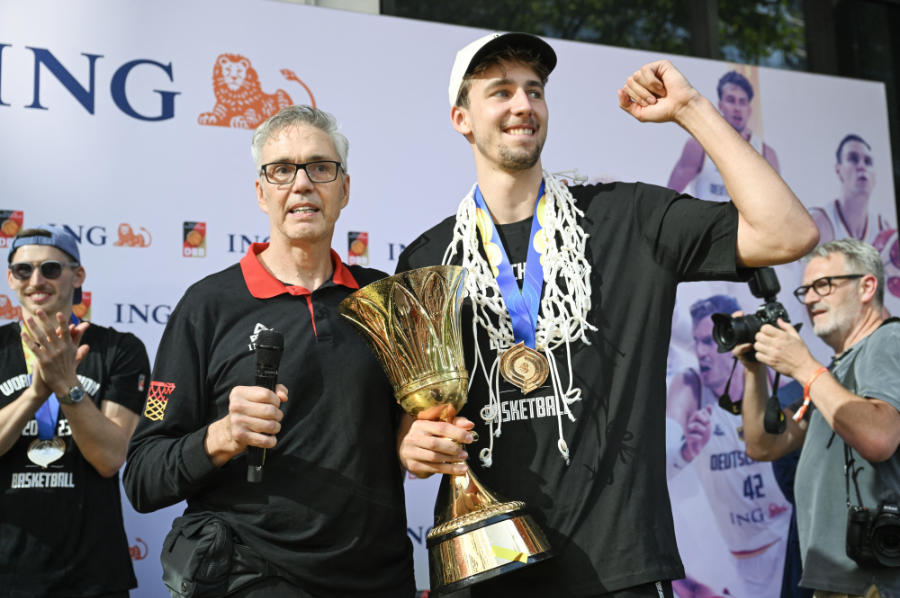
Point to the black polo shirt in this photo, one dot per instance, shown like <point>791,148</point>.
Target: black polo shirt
<point>331,500</point>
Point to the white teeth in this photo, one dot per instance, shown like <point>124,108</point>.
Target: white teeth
<point>521,131</point>
<point>303,210</point>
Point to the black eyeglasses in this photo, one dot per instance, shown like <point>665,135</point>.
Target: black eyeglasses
<point>50,269</point>
<point>822,286</point>
<point>284,173</point>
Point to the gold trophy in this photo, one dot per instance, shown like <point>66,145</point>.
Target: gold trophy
<point>412,323</point>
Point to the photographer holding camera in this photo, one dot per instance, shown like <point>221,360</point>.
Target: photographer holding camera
<point>848,426</point>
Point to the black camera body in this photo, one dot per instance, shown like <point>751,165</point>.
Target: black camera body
<point>729,332</point>
<point>873,538</point>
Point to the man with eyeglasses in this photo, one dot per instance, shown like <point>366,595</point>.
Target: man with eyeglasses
<point>328,517</point>
<point>581,439</point>
<point>848,423</point>
<point>70,395</point>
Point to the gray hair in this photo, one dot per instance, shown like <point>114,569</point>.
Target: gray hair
<point>293,116</point>
<point>861,258</point>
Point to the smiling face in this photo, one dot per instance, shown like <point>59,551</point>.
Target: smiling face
<point>506,118</point>
<point>856,170</point>
<point>37,292</point>
<point>301,212</point>
<point>735,106</point>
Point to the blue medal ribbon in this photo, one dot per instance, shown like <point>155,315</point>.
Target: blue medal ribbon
<point>521,304</point>
<point>47,417</point>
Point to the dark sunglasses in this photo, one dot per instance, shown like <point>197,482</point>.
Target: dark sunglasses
<point>50,269</point>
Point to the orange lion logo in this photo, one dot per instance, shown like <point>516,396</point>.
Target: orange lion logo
<point>240,100</point>
<point>137,552</point>
<point>8,310</point>
<point>129,238</point>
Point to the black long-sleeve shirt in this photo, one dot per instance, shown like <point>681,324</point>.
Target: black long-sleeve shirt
<point>330,508</point>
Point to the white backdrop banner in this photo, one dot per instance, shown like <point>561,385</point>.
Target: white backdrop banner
<point>114,125</point>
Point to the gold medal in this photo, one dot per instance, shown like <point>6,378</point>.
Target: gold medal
<point>524,367</point>
<point>45,452</point>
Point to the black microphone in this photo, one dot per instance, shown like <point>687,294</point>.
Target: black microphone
<point>269,347</point>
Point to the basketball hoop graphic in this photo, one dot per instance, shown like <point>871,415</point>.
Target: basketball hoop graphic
<point>157,399</point>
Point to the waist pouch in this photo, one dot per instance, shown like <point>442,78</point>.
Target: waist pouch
<point>203,558</point>
<point>196,557</point>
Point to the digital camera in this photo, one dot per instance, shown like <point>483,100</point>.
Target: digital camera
<point>729,332</point>
<point>873,538</point>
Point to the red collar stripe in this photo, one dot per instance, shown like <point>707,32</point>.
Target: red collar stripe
<point>263,285</point>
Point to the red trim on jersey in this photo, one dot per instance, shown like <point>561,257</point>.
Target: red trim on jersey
<point>263,285</point>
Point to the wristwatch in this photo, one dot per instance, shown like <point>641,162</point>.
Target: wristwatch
<point>73,397</point>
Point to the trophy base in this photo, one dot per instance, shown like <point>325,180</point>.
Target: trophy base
<point>482,545</point>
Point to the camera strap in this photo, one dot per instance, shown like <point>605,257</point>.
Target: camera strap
<point>848,452</point>
<point>773,421</point>
<point>849,471</point>
<point>725,402</point>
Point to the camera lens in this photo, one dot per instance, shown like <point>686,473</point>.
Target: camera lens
<point>886,539</point>
<point>730,332</point>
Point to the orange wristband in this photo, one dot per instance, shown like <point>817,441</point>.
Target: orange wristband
<point>806,400</point>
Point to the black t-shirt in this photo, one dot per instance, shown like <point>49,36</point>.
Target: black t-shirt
<point>607,514</point>
<point>61,530</point>
<point>330,510</point>
<point>515,238</point>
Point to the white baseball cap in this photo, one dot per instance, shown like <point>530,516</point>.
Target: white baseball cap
<point>470,56</point>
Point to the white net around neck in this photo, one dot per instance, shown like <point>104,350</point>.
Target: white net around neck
<point>564,308</point>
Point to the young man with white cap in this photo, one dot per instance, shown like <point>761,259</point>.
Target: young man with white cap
<point>70,394</point>
<point>583,430</point>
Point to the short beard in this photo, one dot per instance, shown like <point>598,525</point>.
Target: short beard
<point>518,160</point>
<point>840,321</point>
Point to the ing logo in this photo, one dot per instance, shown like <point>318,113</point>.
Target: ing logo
<point>240,100</point>
<point>129,238</point>
<point>8,311</point>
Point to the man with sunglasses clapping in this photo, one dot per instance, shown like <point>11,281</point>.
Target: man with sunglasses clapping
<point>70,395</point>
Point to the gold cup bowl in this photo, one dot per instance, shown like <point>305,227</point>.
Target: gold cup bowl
<point>412,323</point>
